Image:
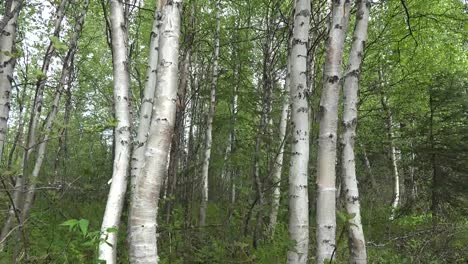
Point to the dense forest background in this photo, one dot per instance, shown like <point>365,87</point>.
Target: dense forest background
<point>412,126</point>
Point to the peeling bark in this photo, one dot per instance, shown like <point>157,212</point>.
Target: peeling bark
<point>144,203</point>
<point>139,145</point>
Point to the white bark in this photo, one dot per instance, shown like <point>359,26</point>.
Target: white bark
<point>394,155</point>
<point>326,173</point>
<point>298,194</point>
<point>412,169</point>
<point>146,108</point>
<point>41,82</point>
<point>20,183</point>
<point>278,166</point>
<point>357,244</point>
<point>111,219</point>
<point>209,121</point>
<point>53,113</point>
<point>7,65</point>
<point>144,204</point>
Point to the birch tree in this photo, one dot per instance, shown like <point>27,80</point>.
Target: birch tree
<point>357,244</point>
<point>144,204</point>
<point>209,120</point>
<point>393,153</point>
<point>298,194</point>
<point>326,173</point>
<point>66,68</point>
<point>278,165</point>
<point>7,65</point>
<point>115,199</point>
<point>20,183</point>
<point>146,108</point>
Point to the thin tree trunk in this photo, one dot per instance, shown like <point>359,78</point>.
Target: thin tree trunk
<point>7,65</point>
<point>436,179</point>
<point>326,173</point>
<point>298,193</point>
<point>20,183</point>
<point>278,166</point>
<point>122,147</point>
<point>144,204</point>
<point>209,122</point>
<point>179,129</point>
<point>139,146</point>
<point>21,101</point>
<point>228,168</point>
<point>41,82</point>
<point>53,113</point>
<point>357,244</point>
<point>368,167</point>
<point>394,156</point>
<point>412,171</point>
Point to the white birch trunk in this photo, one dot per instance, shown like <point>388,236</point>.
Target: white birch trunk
<point>394,155</point>
<point>53,113</point>
<point>41,82</point>
<point>146,108</point>
<point>115,200</point>
<point>7,65</point>
<point>298,194</point>
<point>357,244</point>
<point>326,173</point>
<point>144,204</point>
<point>20,183</point>
<point>209,122</point>
<point>278,165</point>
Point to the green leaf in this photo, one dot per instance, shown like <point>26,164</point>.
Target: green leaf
<point>111,230</point>
<point>88,244</point>
<point>84,224</point>
<point>38,74</point>
<point>58,44</point>
<point>71,223</point>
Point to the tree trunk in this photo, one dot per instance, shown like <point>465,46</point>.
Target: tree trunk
<point>357,244</point>
<point>209,122</point>
<point>122,148</point>
<point>298,194</point>
<point>177,144</point>
<point>7,65</point>
<point>436,177</point>
<point>20,183</point>
<point>146,108</point>
<point>326,173</point>
<point>67,65</point>
<point>394,156</point>
<point>41,82</point>
<point>368,166</point>
<point>144,204</point>
<point>278,166</point>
